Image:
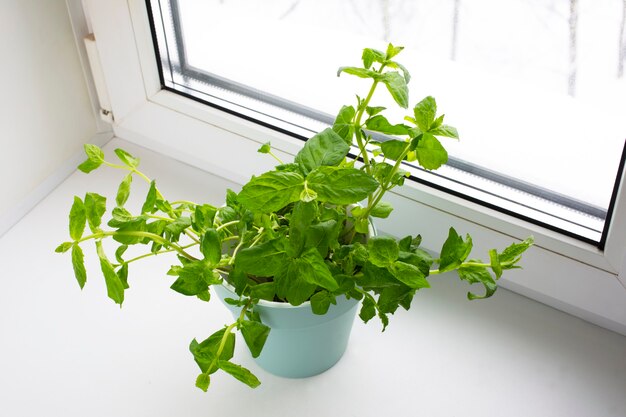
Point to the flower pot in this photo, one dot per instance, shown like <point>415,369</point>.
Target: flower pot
<point>300,343</point>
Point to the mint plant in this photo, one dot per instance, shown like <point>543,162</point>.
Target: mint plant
<point>296,233</point>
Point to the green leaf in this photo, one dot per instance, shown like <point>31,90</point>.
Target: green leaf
<point>94,153</point>
<point>405,71</point>
<point>123,191</point>
<point>341,185</point>
<point>454,251</point>
<point>95,206</point>
<point>315,271</point>
<point>495,263</point>
<point>430,153</point>
<point>240,373</point>
<point>326,148</point>
<point>381,210</point>
<point>372,111</point>
<point>396,84</point>
<point>115,286</point>
<point>203,381</point>
<point>394,149</point>
<point>255,334</point>
<point>383,250</point>
<point>148,205</point>
<point>408,274</point>
<point>265,148</point>
<point>291,285</point>
<point>370,56</point>
<point>302,216</point>
<point>478,274</point>
<point>64,247</point>
<point>425,112</point>
<point>78,265</point>
<point>271,191</point>
<point>359,72</point>
<point>343,125</point>
<point>128,160</point>
<point>379,123</point>
<point>368,309</point>
<point>177,227</point>
<point>88,166</point>
<point>323,236</point>
<point>203,217</point>
<point>393,297</point>
<point>392,51</point>
<point>445,130</point>
<point>194,278</point>
<point>511,254</point>
<point>263,291</point>
<point>78,218</point>
<point>321,301</point>
<point>205,353</point>
<point>211,247</point>
<point>264,260</point>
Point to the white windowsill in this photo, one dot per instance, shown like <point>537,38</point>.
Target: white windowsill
<point>78,354</point>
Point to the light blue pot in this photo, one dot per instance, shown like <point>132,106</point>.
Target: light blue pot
<point>300,343</point>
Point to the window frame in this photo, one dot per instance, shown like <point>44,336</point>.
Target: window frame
<point>561,271</point>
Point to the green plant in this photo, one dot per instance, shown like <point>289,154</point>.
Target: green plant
<point>295,233</point>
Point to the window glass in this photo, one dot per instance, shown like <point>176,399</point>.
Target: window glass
<point>536,87</point>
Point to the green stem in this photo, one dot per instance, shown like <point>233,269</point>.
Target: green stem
<point>276,158</point>
<point>230,223</point>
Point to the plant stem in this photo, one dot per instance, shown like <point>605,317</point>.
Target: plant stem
<point>230,223</point>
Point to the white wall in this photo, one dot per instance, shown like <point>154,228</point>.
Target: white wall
<point>45,110</point>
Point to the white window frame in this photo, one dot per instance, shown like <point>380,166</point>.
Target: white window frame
<point>560,271</point>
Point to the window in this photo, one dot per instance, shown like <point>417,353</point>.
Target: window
<point>535,86</point>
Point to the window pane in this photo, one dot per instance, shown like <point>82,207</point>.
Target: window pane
<point>535,87</point>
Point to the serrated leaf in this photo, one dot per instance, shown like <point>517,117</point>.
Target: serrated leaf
<point>383,250</point>
<point>265,148</point>
<point>203,381</point>
<point>425,112</point>
<point>359,72</point>
<point>368,309</point>
<point>94,153</point>
<point>336,185</point>
<point>454,251</point>
<point>78,218</point>
<point>88,165</point>
<point>115,287</point>
<point>64,247</point>
<point>392,51</point>
<point>321,301</point>
<point>148,205</point>
<point>122,273</point>
<point>263,260</point>
<point>370,56</point>
<point>271,191</point>
<point>495,263</point>
<point>255,334</point>
<point>372,111</point>
<point>95,206</point>
<point>394,149</point>
<point>194,278</point>
<point>263,291</point>
<point>478,274</point>
<point>211,247</point>
<point>512,253</point>
<point>430,152</point>
<point>78,264</point>
<point>128,160</point>
<point>445,130</point>
<point>240,373</point>
<point>382,210</point>
<point>343,125</point>
<point>123,191</point>
<point>379,123</point>
<point>409,275</point>
<point>396,84</point>
<point>326,148</point>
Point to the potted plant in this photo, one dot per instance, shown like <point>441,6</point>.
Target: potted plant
<point>297,242</point>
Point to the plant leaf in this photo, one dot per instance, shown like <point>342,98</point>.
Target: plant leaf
<point>128,160</point>
<point>123,191</point>
<point>271,191</point>
<point>370,56</point>
<point>148,205</point>
<point>379,123</point>
<point>211,247</point>
<point>359,72</point>
<point>264,260</point>
<point>383,250</point>
<point>425,112</point>
<point>255,334</point>
<point>321,301</point>
<point>408,274</point>
<point>368,309</point>
<point>396,84</point>
<point>341,185</point>
<point>343,125</point>
<point>325,148</point>
<point>430,153</point>
<point>194,278</point>
<point>115,287</point>
<point>478,274</point>
<point>94,153</point>
<point>393,149</point>
<point>95,206</point>
<point>454,251</point>
<point>78,218</point>
<point>240,373</point>
<point>203,381</point>
<point>381,210</point>
<point>64,247</point>
<point>445,130</point>
<point>78,265</point>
